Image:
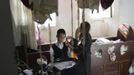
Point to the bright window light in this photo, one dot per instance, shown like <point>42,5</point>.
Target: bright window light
<point>96,15</point>
<point>51,21</point>
<point>102,13</point>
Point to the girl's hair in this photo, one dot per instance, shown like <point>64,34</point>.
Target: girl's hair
<point>87,26</point>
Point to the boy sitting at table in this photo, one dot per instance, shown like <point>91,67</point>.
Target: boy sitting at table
<point>61,51</point>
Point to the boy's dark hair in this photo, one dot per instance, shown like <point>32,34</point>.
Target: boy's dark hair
<point>61,31</point>
<point>87,26</point>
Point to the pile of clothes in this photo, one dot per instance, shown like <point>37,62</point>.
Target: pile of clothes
<point>101,41</point>
<point>39,68</point>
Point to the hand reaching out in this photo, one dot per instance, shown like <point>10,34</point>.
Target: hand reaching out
<point>68,41</point>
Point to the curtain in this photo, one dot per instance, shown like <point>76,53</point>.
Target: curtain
<point>23,25</point>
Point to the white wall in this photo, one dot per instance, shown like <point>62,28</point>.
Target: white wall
<point>123,13</point>
<point>126,13</point>
<point>114,21</point>
<point>99,28</point>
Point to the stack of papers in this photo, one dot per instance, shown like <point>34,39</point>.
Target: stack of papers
<point>64,65</point>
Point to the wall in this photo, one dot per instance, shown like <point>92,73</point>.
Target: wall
<point>114,21</point>
<point>126,13</point>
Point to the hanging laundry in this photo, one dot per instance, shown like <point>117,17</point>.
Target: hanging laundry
<point>43,8</point>
<point>91,4</point>
<point>106,3</point>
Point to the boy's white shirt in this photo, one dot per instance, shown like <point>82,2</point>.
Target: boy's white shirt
<point>59,45</point>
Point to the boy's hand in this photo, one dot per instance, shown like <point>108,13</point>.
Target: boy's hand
<point>68,44</point>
